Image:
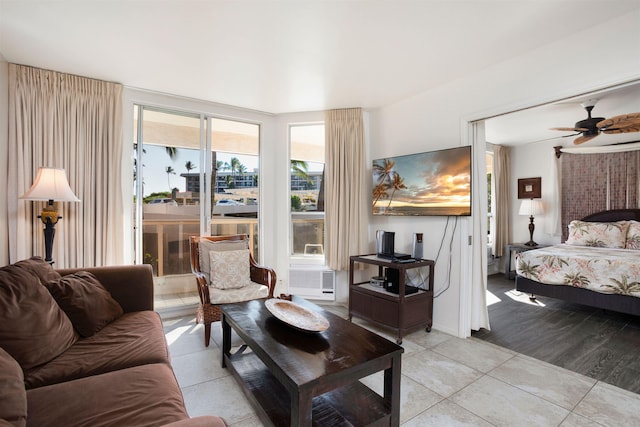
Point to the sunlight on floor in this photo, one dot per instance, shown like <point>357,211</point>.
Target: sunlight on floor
<point>514,295</point>
<point>523,297</point>
<point>176,333</point>
<point>492,299</point>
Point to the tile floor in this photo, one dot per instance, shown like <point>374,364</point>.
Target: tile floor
<point>446,381</point>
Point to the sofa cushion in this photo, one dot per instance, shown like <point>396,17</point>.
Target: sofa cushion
<point>133,339</point>
<point>13,396</point>
<point>146,395</point>
<point>86,302</point>
<point>33,329</point>
<point>39,267</point>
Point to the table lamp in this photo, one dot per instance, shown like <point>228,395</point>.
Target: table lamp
<point>51,184</point>
<point>531,207</point>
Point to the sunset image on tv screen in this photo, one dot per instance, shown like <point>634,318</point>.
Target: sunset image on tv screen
<point>431,183</point>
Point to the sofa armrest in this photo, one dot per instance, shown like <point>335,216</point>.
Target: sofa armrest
<point>130,285</point>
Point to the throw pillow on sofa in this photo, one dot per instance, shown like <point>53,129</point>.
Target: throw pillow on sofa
<point>13,396</point>
<point>33,328</point>
<point>87,303</point>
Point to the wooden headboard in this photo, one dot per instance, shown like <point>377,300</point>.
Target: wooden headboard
<point>614,215</point>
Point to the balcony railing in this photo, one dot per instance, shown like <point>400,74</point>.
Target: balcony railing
<point>166,242</point>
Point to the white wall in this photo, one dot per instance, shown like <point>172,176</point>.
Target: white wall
<point>432,120</point>
<point>531,161</point>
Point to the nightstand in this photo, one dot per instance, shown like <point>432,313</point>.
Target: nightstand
<point>517,248</point>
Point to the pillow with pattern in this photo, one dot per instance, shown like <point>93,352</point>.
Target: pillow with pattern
<point>633,235</point>
<point>207,246</point>
<point>598,234</point>
<point>230,269</point>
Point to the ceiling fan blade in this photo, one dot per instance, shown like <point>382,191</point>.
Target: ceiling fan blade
<point>570,129</point>
<point>626,129</point>
<point>582,139</point>
<point>555,137</point>
<point>619,122</point>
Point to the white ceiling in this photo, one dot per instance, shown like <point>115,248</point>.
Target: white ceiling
<point>287,56</point>
<point>533,125</point>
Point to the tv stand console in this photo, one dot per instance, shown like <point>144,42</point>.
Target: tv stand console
<point>397,311</point>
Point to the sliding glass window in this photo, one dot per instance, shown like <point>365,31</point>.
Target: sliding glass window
<point>167,212</point>
<point>235,162</point>
<point>176,154</point>
<point>307,191</point>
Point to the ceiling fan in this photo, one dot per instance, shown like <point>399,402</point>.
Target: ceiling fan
<point>591,127</point>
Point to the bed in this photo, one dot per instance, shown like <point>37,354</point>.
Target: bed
<point>601,268</point>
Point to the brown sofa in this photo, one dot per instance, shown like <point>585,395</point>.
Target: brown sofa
<point>81,348</point>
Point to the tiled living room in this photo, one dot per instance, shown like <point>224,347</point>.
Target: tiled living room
<point>286,123</point>
<point>446,381</point>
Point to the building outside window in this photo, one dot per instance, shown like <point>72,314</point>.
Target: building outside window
<point>307,191</point>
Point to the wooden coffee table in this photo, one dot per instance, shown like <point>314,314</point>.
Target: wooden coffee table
<point>296,378</point>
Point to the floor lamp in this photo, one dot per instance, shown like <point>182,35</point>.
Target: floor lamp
<point>531,207</point>
<point>50,185</point>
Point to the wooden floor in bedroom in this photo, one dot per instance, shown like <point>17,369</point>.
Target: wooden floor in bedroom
<point>600,344</point>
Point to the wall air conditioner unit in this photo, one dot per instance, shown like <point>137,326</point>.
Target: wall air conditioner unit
<point>312,282</point>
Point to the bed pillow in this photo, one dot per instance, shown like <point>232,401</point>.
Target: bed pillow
<point>33,328</point>
<point>633,235</point>
<point>230,269</point>
<point>207,246</point>
<point>598,234</point>
<point>87,303</point>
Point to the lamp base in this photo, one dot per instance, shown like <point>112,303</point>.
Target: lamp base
<point>49,217</point>
<point>532,227</point>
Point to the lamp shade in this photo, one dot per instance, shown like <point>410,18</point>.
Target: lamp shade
<point>50,184</point>
<point>531,207</point>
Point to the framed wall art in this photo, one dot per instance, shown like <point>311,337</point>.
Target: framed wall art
<point>530,188</point>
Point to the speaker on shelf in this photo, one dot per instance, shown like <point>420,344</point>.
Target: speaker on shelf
<point>417,252</point>
<point>392,282</point>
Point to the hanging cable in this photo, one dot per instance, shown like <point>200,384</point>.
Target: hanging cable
<point>419,271</point>
<point>448,278</point>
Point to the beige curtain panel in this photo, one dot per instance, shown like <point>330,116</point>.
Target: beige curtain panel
<point>75,123</point>
<point>502,177</point>
<point>345,212</point>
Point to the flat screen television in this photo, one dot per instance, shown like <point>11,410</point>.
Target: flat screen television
<point>434,183</point>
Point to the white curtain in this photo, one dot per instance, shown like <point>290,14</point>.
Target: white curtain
<point>479,314</point>
<point>345,213</point>
<point>502,194</point>
<point>75,123</point>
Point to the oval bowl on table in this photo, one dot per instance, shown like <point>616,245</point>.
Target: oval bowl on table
<point>297,316</point>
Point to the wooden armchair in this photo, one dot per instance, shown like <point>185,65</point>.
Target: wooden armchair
<point>263,279</point>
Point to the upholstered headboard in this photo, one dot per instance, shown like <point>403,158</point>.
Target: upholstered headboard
<point>614,215</point>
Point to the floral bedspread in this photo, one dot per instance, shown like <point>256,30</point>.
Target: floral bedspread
<point>605,270</point>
